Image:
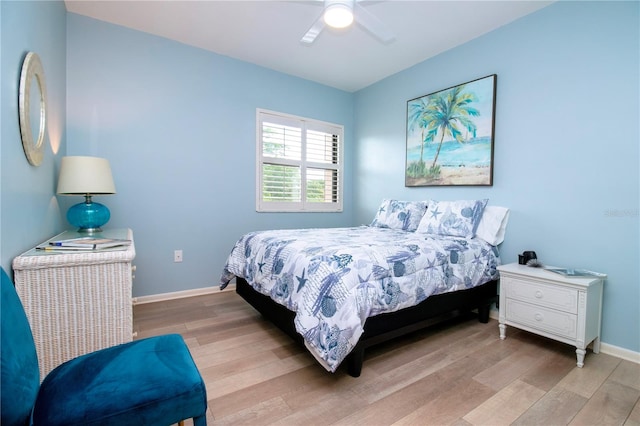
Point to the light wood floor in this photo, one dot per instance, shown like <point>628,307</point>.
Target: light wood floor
<point>460,373</point>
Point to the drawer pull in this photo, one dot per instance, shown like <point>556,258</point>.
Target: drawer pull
<point>538,316</point>
<point>539,294</point>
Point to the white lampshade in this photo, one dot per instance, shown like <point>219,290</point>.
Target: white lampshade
<point>85,175</point>
<point>338,15</point>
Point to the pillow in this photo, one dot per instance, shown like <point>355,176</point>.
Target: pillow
<point>396,214</point>
<point>453,218</point>
<point>493,224</point>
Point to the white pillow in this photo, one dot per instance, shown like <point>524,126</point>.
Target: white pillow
<point>493,224</point>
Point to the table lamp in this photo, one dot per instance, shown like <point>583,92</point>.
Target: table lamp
<point>86,176</point>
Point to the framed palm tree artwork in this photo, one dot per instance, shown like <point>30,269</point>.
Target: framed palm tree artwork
<point>450,135</point>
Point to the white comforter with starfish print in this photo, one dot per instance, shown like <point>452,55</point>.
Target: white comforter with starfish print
<point>335,278</point>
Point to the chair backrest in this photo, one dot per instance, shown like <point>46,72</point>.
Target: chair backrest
<point>19,366</point>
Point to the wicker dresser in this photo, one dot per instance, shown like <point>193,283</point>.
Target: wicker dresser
<point>76,302</point>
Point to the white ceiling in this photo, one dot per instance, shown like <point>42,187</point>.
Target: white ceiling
<point>268,32</point>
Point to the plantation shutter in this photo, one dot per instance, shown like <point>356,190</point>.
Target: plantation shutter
<point>299,164</point>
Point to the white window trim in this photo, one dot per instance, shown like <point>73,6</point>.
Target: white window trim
<point>302,206</point>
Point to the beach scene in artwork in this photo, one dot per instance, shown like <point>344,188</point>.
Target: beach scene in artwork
<point>450,136</point>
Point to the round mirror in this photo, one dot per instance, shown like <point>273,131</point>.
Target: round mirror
<point>33,108</point>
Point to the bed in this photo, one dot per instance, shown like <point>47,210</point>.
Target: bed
<point>342,290</point>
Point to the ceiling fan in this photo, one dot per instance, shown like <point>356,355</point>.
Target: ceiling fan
<point>341,14</point>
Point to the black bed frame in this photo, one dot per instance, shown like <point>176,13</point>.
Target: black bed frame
<point>383,327</point>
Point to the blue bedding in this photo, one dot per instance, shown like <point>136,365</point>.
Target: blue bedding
<point>335,278</point>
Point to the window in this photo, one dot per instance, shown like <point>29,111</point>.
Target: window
<point>299,164</point>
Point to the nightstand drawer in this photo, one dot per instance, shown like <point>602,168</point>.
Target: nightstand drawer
<point>551,296</point>
<point>541,318</point>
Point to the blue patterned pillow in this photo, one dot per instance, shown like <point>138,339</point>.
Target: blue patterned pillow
<point>454,218</point>
<point>394,214</point>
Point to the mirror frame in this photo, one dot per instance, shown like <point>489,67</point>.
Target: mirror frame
<point>33,148</point>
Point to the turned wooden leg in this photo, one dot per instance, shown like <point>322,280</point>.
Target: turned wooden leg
<point>503,331</point>
<point>580,355</point>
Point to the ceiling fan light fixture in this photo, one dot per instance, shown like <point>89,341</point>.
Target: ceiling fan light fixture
<point>338,15</point>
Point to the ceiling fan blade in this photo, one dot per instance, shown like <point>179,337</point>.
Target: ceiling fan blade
<point>372,24</point>
<point>313,32</point>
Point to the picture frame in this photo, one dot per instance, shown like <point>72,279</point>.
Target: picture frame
<point>450,136</point>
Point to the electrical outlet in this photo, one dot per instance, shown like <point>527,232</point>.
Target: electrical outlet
<point>177,256</point>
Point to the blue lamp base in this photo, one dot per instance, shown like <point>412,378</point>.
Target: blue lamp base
<point>88,216</point>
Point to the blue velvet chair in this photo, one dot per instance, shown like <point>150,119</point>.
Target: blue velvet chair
<point>151,381</point>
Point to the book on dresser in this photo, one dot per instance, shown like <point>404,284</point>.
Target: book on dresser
<point>84,244</point>
<point>570,272</point>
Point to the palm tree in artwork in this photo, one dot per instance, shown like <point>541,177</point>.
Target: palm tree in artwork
<point>449,112</point>
<point>417,118</point>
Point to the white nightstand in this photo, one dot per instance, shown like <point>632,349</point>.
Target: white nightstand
<point>549,304</point>
<point>76,302</point>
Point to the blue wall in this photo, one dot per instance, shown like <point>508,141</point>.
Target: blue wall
<point>30,212</point>
<point>177,124</point>
<point>566,142</point>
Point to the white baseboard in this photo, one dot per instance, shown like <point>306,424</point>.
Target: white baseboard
<point>493,313</point>
<point>619,352</point>
<point>605,348</point>
<point>182,294</point>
